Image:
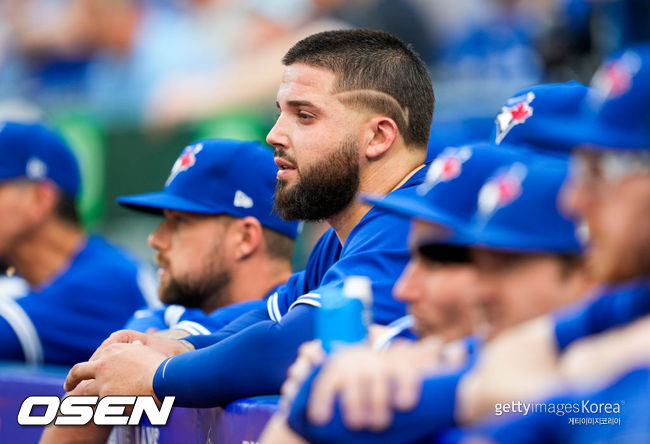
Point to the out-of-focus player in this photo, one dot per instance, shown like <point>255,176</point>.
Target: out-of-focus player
<point>218,231</point>
<point>610,190</point>
<point>81,288</point>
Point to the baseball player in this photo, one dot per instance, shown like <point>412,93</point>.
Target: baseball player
<point>604,345</point>
<point>80,288</point>
<point>337,133</point>
<point>218,231</point>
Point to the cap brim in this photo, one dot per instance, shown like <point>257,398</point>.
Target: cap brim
<point>155,203</point>
<point>410,207</point>
<point>585,133</point>
<point>477,236</point>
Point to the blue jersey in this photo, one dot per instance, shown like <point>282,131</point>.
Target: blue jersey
<point>252,359</point>
<point>64,320</point>
<point>613,306</point>
<point>376,247</point>
<point>616,414</point>
<point>192,320</point>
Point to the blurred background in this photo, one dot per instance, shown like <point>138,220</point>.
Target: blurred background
<point>130,82</point>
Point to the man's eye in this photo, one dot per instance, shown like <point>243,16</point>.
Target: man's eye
<point>304,116</point>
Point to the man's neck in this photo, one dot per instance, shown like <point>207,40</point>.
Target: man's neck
<point>46,251</point>
<point>268,275</point>
<point>377,179</point>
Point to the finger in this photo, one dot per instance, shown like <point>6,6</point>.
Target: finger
<point>299,371</point>
<point>313,352</point>
<point>408,385</point>
<point>89,388</point>
<point>78,373</point>
<point>379,408</point>
<point>355,390</point>
<point>323,393</point>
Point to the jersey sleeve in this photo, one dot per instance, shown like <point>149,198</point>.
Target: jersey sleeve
<point>251,362</point>
<point>146,319</point>
<point>234,327</point>
<point>613,307</point>
<point>433,413</point>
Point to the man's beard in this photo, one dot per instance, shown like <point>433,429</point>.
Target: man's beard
<point>207,293</point>
<point>321,191</point>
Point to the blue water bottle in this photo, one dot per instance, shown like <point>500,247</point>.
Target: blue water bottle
<point>345,314</point>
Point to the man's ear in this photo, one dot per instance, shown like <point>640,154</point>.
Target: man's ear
<point>382,132</point>
<point>249,237</point>
<point>45,197</point>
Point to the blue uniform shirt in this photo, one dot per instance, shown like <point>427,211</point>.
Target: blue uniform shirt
<point>64,320</point>
<point>376,247</point>
<point>614,306</point>
<point>192,320</point>
<point>582,421</point>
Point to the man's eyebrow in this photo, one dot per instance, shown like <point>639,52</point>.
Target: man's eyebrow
<point>297,104</point>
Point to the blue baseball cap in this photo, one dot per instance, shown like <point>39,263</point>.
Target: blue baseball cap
<point>541,117</point>
<point>219,176</point>
<point>517,210</point>
<point>35,152</point>
<point>448,194</point>
<point>616,114</point>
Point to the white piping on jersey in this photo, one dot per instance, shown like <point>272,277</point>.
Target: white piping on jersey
<point>308,299</point>
<point>165,366</point>
<point>13,287</point>
<point>193,328</point>
<point>394,329</point>
<point>172,314</point>
<point>24,329</point>
<point>148,285</point>
<point>273,308</point>
<point>269,307</point>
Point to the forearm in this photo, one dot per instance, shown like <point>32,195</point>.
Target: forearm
<point>433,413</point>
<point>234,327</point>
<point>625,305</point>
<point>249,363</point>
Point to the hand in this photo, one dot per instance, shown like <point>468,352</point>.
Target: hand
<point>310,355</point>
<point>372,384</point>
<point>596,361</point>
<point>168,346</point>
<point>518,364</point>
<point>118,369</point>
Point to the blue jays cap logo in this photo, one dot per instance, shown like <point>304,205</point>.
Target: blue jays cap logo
<point>185,161</point>
<point>614,78</point>
<point>501,190</point>
<point>516,110</point>
<point>447,166</point>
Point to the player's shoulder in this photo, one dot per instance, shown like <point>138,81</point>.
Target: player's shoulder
<point>100,251</point>
<point>100,267</point>
<point>379,223</point>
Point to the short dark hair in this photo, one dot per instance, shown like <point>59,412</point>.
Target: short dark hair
<point>66,209</point>
<point>375,62</point>
<point>279,246</point>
